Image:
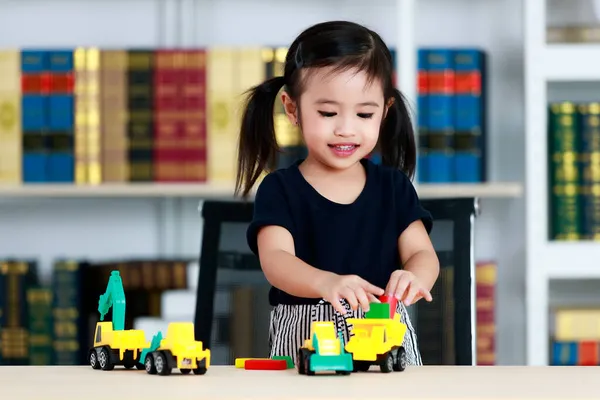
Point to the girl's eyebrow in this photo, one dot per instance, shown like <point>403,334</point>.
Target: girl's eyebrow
<point>327,101</point>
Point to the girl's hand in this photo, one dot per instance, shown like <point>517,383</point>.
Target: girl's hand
<point>405,286</point>
<point>355,290</point>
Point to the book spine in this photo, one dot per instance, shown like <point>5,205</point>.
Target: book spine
<point>114,140</point>
<point>168,121</point>
<point>67,300</point>
<point>10,117</point>
<point>589,151</point>
<point>40,325</point>
<point>223,128</point>
<point>88,168</point>
<point>194,89</point>
<point>564,353</point>
<point>60,137</point>
<point>469,140</point>
<point>422,115</point>
<point>486,276</point>
<point>440,157</point>
<point>563,127</point>
<point>35,85</point>
<point>140,124</point>
<point>81,107</point>
<point>14,331</point>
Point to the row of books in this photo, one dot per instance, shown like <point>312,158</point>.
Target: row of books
<point>574,170</point>
<point>53,324</point>
<point>576,338</point>
<point>90,116</point>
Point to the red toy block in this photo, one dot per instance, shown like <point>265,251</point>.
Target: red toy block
<point>265,365</point>
<point>392,301</point>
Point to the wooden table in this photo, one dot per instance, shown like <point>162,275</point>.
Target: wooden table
<point>223,382</point>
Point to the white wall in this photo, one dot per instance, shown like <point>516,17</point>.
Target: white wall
<point>128,228</point>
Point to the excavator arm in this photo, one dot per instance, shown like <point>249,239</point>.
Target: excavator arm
<point>113,297</point>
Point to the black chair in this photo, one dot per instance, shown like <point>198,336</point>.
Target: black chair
<point>445,327</point>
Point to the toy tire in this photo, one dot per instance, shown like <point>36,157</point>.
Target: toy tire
<point>387,365</point>
<point>104,360</point>
<point>201,370</point>
<point>401,360</point>
<point>93,359</point>
<point>300,362</point>
<point>161,364</point>
<point>149,364</point>
<point>342,372</point>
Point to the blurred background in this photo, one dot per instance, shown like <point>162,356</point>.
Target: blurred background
<point>118,118</point>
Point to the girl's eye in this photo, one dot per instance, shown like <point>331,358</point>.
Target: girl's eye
<point>365,116</point>
<point>327,114</point>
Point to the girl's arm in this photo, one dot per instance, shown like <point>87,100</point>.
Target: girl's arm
<point>418,255</point>
<point>283,269</point>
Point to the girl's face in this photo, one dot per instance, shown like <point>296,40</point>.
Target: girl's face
<point>341,115</point>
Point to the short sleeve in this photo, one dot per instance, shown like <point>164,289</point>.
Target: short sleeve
<point>409,206</point>
<point>270,208</point>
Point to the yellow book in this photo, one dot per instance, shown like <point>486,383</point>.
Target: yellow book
<point>222,125</point>
<point>11,149</point>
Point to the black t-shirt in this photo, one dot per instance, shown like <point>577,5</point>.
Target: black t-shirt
<point>359,238</point>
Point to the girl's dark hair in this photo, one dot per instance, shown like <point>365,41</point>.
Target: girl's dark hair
<point>342,45</point>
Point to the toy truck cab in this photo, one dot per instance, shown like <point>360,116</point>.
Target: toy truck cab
<point>178,350</point>
<point>324,351</point>
<point>113,348</point>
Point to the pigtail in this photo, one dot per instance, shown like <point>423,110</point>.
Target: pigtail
<point>257,148</point>
<point>397,139</point>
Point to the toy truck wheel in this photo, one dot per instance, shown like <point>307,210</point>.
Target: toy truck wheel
<point>201,370</point>
<point>361,366</point>
<point>93,359</point>
<point>149,364</point>
<point>128,361</point>
<point>300,362</point>
<point>307,369</point>
<point>387,365</point>
<point>342,372</point>
<point>104,359</point>
<point>162,364</point>
<point>401,360</point>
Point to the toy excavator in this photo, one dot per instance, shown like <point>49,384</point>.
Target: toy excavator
<point>113,345</point>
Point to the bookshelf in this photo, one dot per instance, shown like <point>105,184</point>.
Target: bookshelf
<point>547,261</point>
<point>163,219</point>
<point>206,191</point>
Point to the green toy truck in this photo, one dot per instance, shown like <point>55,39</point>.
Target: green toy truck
<point>324,351</point>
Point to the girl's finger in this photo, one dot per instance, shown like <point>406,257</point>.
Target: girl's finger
<point>402,286</point>
<point>337,305</point>
<point>410,295</point>
<point>426,294</point>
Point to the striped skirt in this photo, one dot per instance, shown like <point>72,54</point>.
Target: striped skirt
<point>290,326</point>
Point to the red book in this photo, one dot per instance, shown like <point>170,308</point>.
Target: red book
<point>194,100</point>
<point>169,128</point>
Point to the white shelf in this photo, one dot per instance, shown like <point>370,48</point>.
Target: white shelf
<point>205,191</point>
<point>571,62</point>
<point>548,260</point>
<point>572,260</point>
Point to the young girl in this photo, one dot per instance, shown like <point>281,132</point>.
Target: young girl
<point>334,231</point>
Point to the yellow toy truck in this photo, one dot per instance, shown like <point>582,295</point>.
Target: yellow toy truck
<point>378,339</point>
<point>113,345</point>
<point>178,350</point>
<point>324,351</point>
